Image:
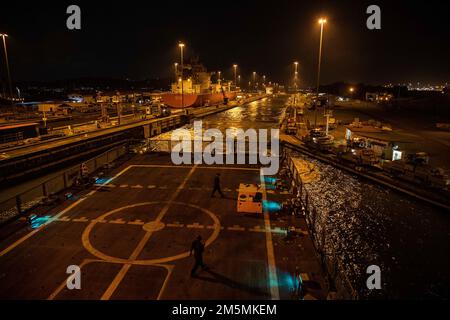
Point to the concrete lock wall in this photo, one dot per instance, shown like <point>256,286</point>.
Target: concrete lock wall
<point>71,175</point>
<point>31,197</point>
<point>21,203</point>
<point>54,185</point>
<point>331,264</point>
<point>147,133</point>
<point>8,209</point>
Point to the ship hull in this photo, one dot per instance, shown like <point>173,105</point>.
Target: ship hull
<point>174,100</point>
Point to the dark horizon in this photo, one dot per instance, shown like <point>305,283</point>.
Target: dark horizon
<point>141,43</point>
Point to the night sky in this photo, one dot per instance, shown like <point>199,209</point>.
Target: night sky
<point>138,39</point>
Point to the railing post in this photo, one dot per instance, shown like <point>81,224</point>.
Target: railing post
<point>19,205</point>
<point>44,189</point>
<point>66,178</point>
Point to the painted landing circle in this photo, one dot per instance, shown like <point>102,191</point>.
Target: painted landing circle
<point>150,227</point>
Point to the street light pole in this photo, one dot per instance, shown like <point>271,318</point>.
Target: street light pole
<point>254,79</point>
<point>4,35</point>
<point>181,45</point>
<point>295,74</point>
<point>322,21</point>
<point>235,74</point>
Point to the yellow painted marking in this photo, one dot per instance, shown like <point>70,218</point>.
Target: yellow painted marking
<point>64,283</point>
<point>85,262</point>
<point>124,186</point>
<point>151,186</point>
<point>198,167</point>
<point>99,220</point>
<point>272,278</point>
<point>123,271</point>
<point>257,229</point>
<point>73,205</point>
<point>166,280</point>
<point>63,219</point>
<point>88,246</point>
<point>82,219</point>
<point>236,228</point>
<point>104,186</point>
<point>136,222</point>
<point>117,221</point>
<point>138,186</point>
<point>175,225</point>
<point>113,285</point>
<point>195,225</point>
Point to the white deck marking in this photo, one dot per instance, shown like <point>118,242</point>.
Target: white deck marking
<point>272,277</point>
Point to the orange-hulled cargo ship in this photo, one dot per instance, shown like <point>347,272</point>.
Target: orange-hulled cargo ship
<point>198,90</point>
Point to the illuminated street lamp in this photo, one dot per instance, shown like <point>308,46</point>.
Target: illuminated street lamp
<point>351,90</point>
<point>235,73</point>
<point>4,36</point>
<point>239,79</point>
<point>264,80</point>
<point>295,74</point>
<point>321,21</point>
<point>181,45</point>
<point>176,69</point>
<point>218,77</point>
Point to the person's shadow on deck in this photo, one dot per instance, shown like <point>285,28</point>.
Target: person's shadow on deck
<point>218,278</point>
